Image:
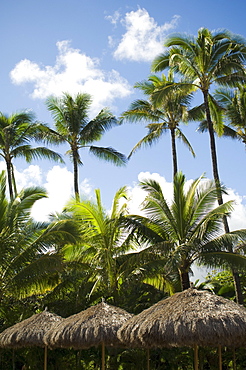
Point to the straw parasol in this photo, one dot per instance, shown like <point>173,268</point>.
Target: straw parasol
<point>190,318</point>
<point>94,326</point>
<point>30,332</point>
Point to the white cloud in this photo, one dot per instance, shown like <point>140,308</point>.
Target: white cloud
<point>113,18</point>
<point>238,216</point>
<point>143,39</point>
<point>59,186</point>
<point>58,183</point>
<point>137,195</point>
<point>73,72</point>
<point>31,176</point>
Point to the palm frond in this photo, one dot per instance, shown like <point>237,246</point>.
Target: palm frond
<point>109,154</point>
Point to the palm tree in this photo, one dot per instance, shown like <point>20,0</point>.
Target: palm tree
<point>212,58</point>
<point>71,117</point>
<point>166,116</point>
<point>16,133</point>
<point>28,259</point>
<point>189,229</point>
<point>233,101</point>
<point>103,241</point>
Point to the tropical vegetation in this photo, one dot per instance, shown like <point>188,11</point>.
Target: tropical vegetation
<point>16,133</point>
<point>87,253</point>
<point>165,115</point>
<point>75,127</point>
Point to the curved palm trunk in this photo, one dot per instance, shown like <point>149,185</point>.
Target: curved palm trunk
<point>174,152</point>
<point>236,278</point>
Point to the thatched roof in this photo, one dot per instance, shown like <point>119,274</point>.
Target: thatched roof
<point>96,325</point>
<point>185,319</point>
<point>29,332</point>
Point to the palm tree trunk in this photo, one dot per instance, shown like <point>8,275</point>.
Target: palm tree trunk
<point>13,180</point>
<point>75,176</point>
<point>185,280</point>
<point>213,151</point>
<point>9,173</point>
<point>237,285</point>
<point>236,278</point>
<point>174,152</point>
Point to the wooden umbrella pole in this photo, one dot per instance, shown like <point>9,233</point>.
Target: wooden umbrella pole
<point>148,366</point>
<point>45,357</point>
<point>103,356</point>
<point>13,359</point>
<point>234,359</point>
<point>220,358</point>
<point>195,357</point>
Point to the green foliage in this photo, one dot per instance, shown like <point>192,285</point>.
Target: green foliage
<point>86,253</point>
<point>221,283</point>
<point>16,133</point>
<point>163,116</point>
<point>29,264</point>
<point>188,229</point>
<point>233,102</point>
<point>73,126</point>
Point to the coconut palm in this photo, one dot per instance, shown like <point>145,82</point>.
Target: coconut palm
<point>189,229</point>
<point>227,109</point>
<point>215,57</point>
<point>73,126</point>
<point>28,262</point>
<point>16,133</point>
<point>103,240</point>
<point>233,101</point>
<point>211,58</point>
<point>164,117</point>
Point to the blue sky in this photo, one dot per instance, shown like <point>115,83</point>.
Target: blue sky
<point>104,48</point>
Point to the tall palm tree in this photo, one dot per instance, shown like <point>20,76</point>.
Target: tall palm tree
<point>103,240</point>
<point>16,133</point>
<point>188,229</point>
<point>211,58</point>
<point>164,116</point>
<point>73,126</point>
<point>216,57</point>
<point>28,262</point>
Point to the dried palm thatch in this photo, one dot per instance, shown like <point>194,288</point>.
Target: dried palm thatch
<point>98,325</point>
<point>189,318</point>
<point>92,327</point>
<point>29,332</point>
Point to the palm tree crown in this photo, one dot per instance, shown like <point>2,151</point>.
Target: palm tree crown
<point>189,228</point>
<point>233,103</point>
<point>73,125</point>
<point>16,133</point>
<point>102,240</point>
<point>164,115</point>
<point>27,265</point>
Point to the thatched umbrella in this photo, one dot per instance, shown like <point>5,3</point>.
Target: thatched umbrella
<point>190,318</point>
<point>97,325</point>
<point>30,332</point>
